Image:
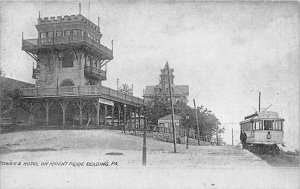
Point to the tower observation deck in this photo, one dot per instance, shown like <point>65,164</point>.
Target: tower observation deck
<point>71,64</point>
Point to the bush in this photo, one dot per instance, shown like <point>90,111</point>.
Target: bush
<point>294,153</point>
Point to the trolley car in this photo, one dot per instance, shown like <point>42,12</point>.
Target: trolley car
<point>264,132</point>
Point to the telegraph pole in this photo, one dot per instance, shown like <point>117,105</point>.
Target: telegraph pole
<point>232,136</point>
<point>198,130</point>
<point>172,108</point>
<point>188,131</point>
<point>259,102</point>
<point>217,133</point>
<point>144,159</point>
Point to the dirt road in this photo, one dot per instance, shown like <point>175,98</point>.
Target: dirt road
<point>113,146</point>
<point>110,159</point>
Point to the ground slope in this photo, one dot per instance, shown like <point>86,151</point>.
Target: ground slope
<point>106,145</point>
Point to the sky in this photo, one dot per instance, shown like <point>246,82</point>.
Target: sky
<point>226,52</point>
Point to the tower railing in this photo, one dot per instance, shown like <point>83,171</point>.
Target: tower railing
<point>65,40</point>
<point>86,90</point>
<point>95,72</point>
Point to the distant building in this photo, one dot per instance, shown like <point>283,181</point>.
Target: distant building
<point>165,125</point>
<point>180,92</point>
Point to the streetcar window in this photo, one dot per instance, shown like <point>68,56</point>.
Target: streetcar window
<point>258,125</point>
<point>246,126</point>
<point>268,125</point>
<point>278,125</point>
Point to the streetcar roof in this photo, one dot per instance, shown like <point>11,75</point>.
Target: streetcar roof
<point>262,115</point>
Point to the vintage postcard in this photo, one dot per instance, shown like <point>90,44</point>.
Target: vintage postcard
<point>149,94</point>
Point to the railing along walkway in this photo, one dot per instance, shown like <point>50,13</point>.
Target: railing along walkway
<point>88,90</point>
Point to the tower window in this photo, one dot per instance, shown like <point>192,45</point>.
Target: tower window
<point>76,32</point>
<point>67,82</point>
<point>59,33</point>
<point>43,34</point>
<point>50,34</point>
<point>67,32</point>
<point>67,60</point>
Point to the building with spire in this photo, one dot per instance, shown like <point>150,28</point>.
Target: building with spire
<point>180,92</point>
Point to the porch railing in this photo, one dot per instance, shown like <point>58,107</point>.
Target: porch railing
<point>88,90</point>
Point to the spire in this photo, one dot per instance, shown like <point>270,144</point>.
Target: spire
<point>167,64</point>
<point>79,8</point>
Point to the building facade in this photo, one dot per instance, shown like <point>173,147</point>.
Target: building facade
<point>180,92</point>
<point>165,125</point>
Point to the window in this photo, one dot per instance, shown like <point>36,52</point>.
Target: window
<point>50,34</point>
<point>59,33</point>
<point>67,60</point>
<point>258,125</point>
<point>247,126</point>
<point>177,124</point>
<point>161,124</point>
<point>67,82</point>
<point>43,34</point>
<point>67,32</point>
<point>76,32</point>
<point>43,37</point>
<point>166,125</point>
<point>268,124</point>
<point>278,125</point>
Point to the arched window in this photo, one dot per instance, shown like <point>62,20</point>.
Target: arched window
<point>67,82</point>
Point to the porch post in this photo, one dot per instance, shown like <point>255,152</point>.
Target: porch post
<point>47,105</point>
<point>124,118</point>
<point>134,121</point>
<point>139,117</point>
<point>112,115</point>
<point>31,110</point>
<point>130,123</point>
<point>119,114</point>
<point>105,114</point>
<point>80,105</point>
<point>63,105</point>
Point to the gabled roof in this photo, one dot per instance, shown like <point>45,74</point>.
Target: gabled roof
<point>169,117</point>
<point>181,89</point>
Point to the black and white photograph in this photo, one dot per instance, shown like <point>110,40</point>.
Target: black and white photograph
<point>149,94</point>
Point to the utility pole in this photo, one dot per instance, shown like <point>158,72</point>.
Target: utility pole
<point>144,162</point>
<point>188,131</point>
<point>259,102</point>
<point>232,136</point>
<point>117,84</point>
<point>172,108</point>
<point>198,130</point>
<point>217,133</point>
